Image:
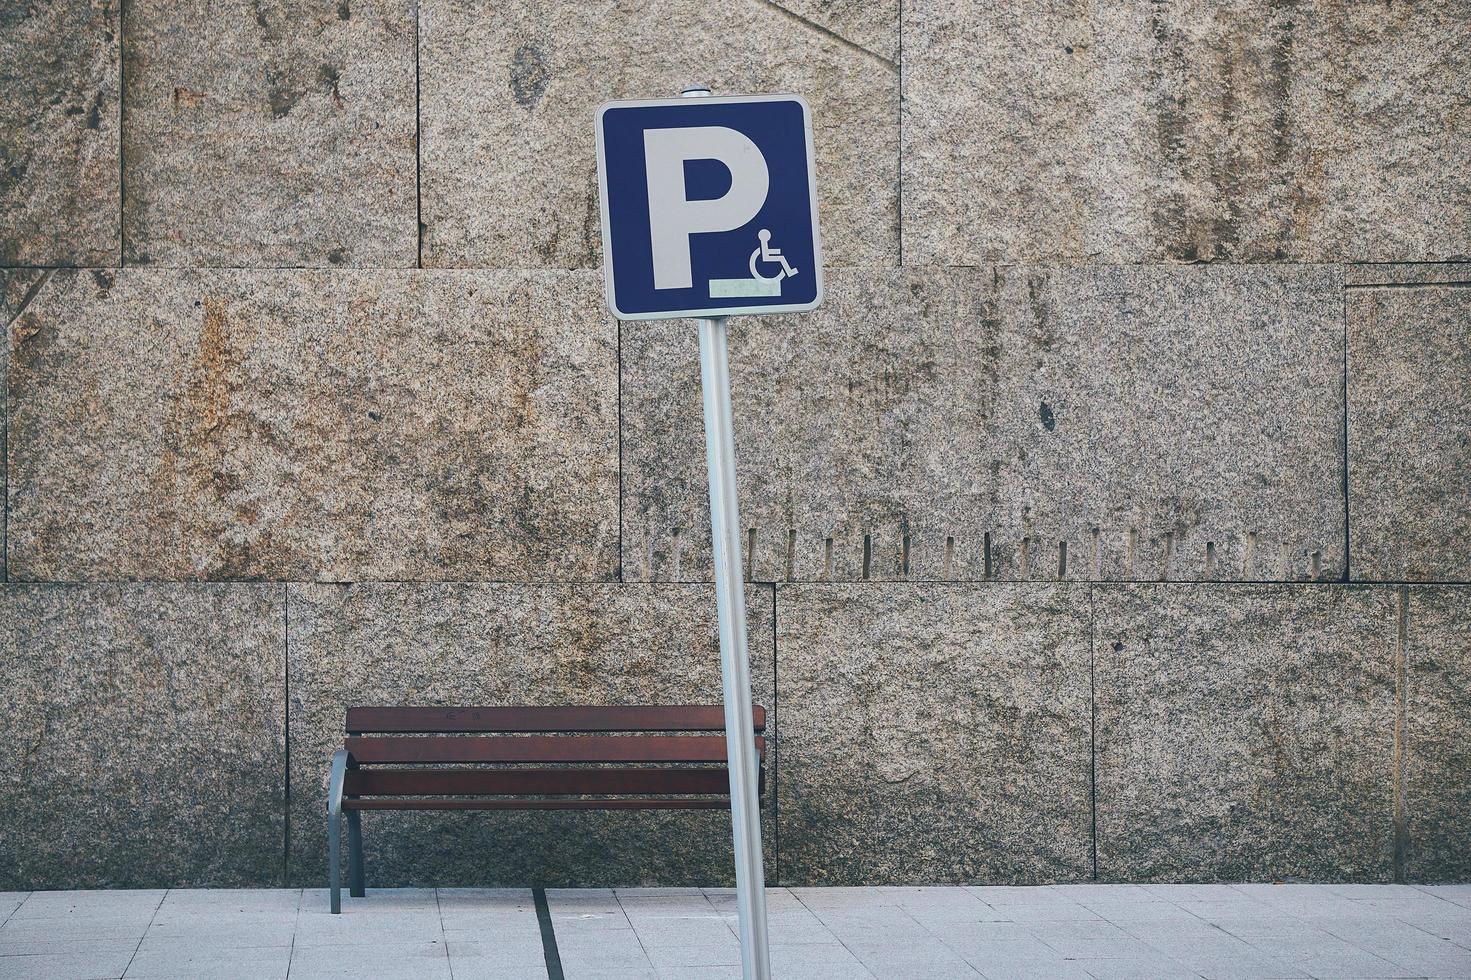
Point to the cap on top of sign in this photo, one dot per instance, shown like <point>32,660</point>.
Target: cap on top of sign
<point>709,207</point>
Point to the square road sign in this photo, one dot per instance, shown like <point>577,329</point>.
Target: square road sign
<point>709,207</point>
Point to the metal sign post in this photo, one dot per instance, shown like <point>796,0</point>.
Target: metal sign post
<point>710,209</point>
<point>735,663</point>
<point>735,657</point>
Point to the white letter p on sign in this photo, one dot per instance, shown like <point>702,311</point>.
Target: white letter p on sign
<point>673,218</point>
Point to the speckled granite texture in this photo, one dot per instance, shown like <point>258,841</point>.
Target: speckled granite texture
<point>934,733</point>
<point>509,91</point>
<point>1142,131</point>
<point>59,109</point>
<point>143,743</point>
<point>1245,732</point>
<point>970,424</point>
<point>1110,519</point>
<point>274,133</point>
<point>314,425</point>
<point>1437,742</point>
<point>1409,429</point>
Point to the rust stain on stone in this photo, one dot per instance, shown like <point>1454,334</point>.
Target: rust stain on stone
<point>26,327</point>
<point>209,388</point>
<point>196,473</point>
<point>186,98</point>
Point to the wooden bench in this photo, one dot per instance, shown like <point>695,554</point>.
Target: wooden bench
<point>644,757</point>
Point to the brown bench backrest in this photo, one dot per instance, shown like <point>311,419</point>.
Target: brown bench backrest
<point>579,718</point>
<point>592,751</point>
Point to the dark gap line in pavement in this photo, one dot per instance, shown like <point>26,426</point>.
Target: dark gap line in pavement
<point>548,935</point>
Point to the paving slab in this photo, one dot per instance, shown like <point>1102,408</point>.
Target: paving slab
<point>155,711</point>
<point>592,955</point>
<point>59,111</point>
<point>88,902</point>
<point>889,778</point>
<point>459,644</point>
<point>724,953</point>
<point>495,952</point>
<point>389,959</point>
<point>1455,894</point>
<point>301,424</point>
<point>895,961</point>
<point>1245,132</point>
<point>226,930</point>
<point>1121,423</point>
<point>207,962</point>
<point>281,135</point>
<point>182,903</point>
<point>1245,732</point>
<point>90,965</point>
<point>1409,433</point>
<point>508,162</point>
<point>1154,966</point>
<point>74,929</point>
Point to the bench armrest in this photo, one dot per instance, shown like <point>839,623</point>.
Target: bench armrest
<point>342,761</point>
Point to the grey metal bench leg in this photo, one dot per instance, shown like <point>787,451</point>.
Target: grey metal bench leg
<point>334,828</point>
<point>355,854</point>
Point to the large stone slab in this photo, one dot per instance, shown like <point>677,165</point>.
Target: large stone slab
<point>509,168</point>
<point>143,743</point>
<point>1245,733</point>
<point>1139,131</point>
<point>934,733</point>
<point>17,288</point>
<point>1437,734</point>
<point>59,190</point>
<point>272,133</point>
<point>1158,422</point>
<point>513,644</point>
<point>1409,432</point>
<point>302,424</point>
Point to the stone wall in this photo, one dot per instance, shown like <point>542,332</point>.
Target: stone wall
<point>1111,521</point>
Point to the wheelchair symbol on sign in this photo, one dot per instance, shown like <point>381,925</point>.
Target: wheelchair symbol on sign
<point>765,253</point>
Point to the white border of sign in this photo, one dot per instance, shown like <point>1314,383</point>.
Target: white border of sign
<point>713,310</point>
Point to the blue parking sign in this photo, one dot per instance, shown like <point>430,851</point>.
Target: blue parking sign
<point>709,207</point>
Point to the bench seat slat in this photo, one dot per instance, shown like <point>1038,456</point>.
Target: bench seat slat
<point>510,782</point>
<point>617,803</point>
<point>540,748</point>
<point>567,718</point>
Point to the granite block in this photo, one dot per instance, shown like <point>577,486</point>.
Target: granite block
<point>17,288</point>
<point>934,733</point>
<point>272,133</point>
<point>496,644</point>
<point>59,184</point>
<point>1245,732</point>
<point>206,424</point>
<point>509,92</point>
<point>1437,749</point>
<point>872,25</point>
<point>1186,130</point>
<point>1022,423</point>
<point>144,742</point>
<point>1406,273</point>
<point>1409,433</point>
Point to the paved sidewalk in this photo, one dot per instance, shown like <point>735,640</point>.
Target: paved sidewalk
<point>1109,932</point>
